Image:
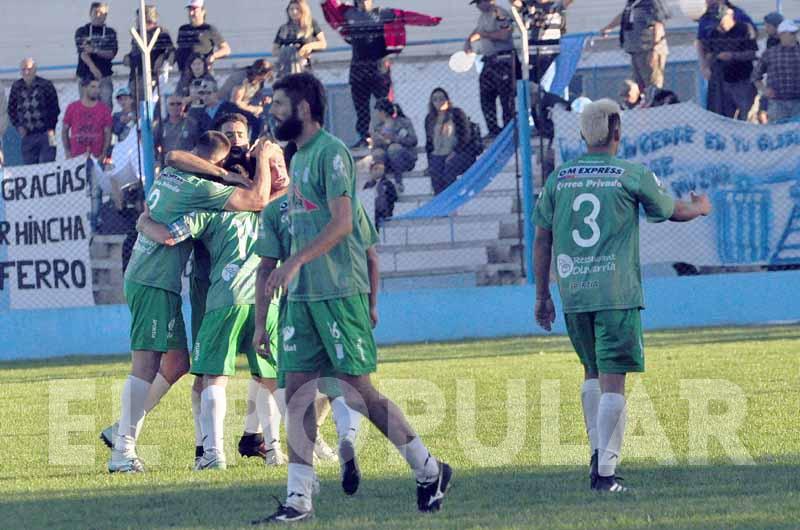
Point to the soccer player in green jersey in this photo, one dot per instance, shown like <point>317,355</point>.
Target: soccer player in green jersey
<point>327,313</point>
<point>273,246</point>
<point>152,285</point>
<point>588,215</point>
<point>228,323</point>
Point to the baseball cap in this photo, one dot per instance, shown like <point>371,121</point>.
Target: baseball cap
<point>195,3</point>
<point>773,19</point>
<point>124,91</point>
<point>787,26</point>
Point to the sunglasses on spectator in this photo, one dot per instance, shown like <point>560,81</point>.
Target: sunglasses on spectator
<point>176,104</point>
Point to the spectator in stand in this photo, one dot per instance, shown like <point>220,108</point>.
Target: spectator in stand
<point>705,26</point>
<point>244,89</point>
<point>630,96</point>
<point>385,192</point>
<point>33,109</point>
<point>547,23</point>
<point>394,142</point>
<point>781,64</point>
<point>192,81</point>
<point>200,38</point>
<point>644,37</point>
<point>730,50</point>
<point>179,131</point>
<point>87,125</point>
<point>370,72</point>
<point>97,46</point>
<point>497,80</point>
<point>448,141</point>
<point>125,119</point>
<point>163,52</point>
<point>297,40</point>
<point>206,107</point>
<point>771,23</point>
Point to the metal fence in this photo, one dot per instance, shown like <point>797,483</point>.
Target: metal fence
<point>63,234</point>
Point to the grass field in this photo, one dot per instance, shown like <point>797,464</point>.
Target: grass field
<point>519,464</point>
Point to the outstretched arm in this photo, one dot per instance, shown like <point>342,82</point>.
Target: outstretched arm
<point>373,270</point>
<point>699,205</point>
<point>166,235</point>
<point>260,336</point>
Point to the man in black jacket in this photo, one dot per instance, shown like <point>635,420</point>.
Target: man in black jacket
<point>33,110</point>
<point>97,46</point>
<point>369,71</point>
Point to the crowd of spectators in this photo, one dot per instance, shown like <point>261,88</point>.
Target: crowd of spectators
<point>742,83</point>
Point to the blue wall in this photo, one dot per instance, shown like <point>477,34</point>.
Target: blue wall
<point>446,314</point>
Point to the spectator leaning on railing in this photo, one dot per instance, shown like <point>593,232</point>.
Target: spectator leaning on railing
<point>244,89</point>
<point>297,39</point>
<point>643,36</point>
<point>33,109</point>
<point>199,37</point>
<point>87,124</point>
<point>781,64</point>
<point>494,31</point>
<point>97,46</point>
<point>730,50</point>
<point>125,119</point>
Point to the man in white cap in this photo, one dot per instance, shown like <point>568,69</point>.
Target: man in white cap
<point>781,64</point>
<point>199,37</point>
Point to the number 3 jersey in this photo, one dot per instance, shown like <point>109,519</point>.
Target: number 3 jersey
<point>591,205</point>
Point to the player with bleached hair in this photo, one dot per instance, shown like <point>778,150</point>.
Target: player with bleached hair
<point>588,214</point>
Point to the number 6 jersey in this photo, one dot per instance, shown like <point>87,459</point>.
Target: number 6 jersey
<point>591,205</point>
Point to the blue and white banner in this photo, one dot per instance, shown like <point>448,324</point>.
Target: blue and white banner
<point>45,235</point>
<point>751,172</point>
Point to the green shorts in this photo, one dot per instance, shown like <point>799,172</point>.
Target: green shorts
<point>608,342</point>
<point>156,318</point>
<point>329,384</point>
<point>328,336</point>
<point>226,332</point>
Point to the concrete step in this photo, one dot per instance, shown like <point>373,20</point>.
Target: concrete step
<point>413,247</point>
<point>438,233</point>
<point>434,259</point>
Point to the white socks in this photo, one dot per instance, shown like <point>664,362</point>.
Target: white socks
<point>590,401</point>
<point>251,423</point>
<point>420,460</point>
<point>300,487</point>
<point>610,428</point>
<point>198,427</point>
<point>269,415</point>
<point>213,407</point>
<point>134,395</point>
<point>158,389</point>
<point>346,419</point>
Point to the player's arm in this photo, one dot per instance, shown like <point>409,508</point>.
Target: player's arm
<point>339,227</point>
<point>271,180</point>
<point>165,235</point>
<point>542,255</point>
<point>191,163</point>
<point>374,273</point>
<point>260,336</point>
<point>697,206</point>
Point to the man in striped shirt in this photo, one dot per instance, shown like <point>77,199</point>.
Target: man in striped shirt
<point>781,64</point>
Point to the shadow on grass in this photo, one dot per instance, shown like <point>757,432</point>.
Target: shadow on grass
<point>763,496</point>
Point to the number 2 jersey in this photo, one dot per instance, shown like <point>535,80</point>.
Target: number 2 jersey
<point>591,205</point>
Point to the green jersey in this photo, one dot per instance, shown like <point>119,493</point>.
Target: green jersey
<point>274,231</point>
<point>591,205</point>
<point>324,170</point>
<point>174,194</point>
<point>230,237</point>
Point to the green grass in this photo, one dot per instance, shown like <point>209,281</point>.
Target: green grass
<point>530,482</point>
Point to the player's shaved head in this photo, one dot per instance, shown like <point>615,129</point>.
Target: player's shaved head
<point>600,120</point>
<point>212,146</point>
